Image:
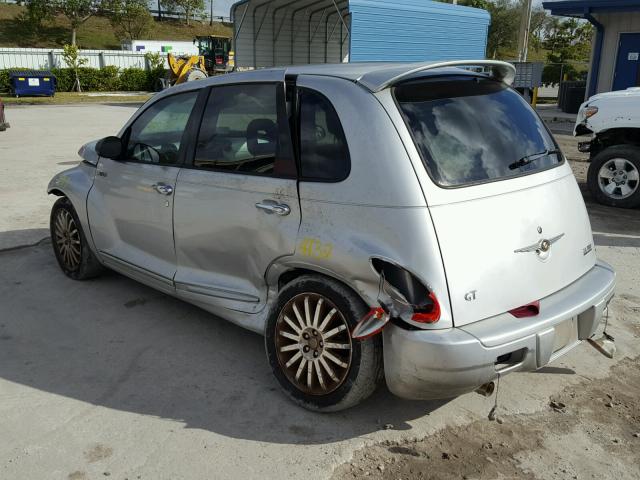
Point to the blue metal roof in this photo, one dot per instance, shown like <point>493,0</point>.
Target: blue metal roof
<point>281,32</point>
<point>580,8</point>
<point>416,30</point>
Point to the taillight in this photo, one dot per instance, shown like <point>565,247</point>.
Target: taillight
<point>219,61</point>
<point>371,324</point>
<point>427,313</point>
<point>530,310</point>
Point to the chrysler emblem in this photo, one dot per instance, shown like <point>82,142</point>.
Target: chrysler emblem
<point>541,247</point>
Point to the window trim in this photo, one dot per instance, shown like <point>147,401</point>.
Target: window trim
<point>298,123</point>
<point>281,110</point>
<point>183,141</point>
<point>477,182</point>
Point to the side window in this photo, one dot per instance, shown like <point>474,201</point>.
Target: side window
<point>156,135</point>
<point>324,154</point>
<point>244,130</point>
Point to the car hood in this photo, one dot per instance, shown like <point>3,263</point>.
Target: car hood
<point>630,92</point>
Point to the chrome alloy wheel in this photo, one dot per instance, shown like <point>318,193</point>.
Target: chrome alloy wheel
<point>313,344</point>
<point>67,240</point>
<point>618,178</point>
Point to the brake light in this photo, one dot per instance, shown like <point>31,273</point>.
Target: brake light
<point>371,324</point>
<point>530,310</point>
<point>428,314</point>
<point>219,60</point>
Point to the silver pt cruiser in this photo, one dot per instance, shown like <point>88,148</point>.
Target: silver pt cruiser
<point>412,222</point>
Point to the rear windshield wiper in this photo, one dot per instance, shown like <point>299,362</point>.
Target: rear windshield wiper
<point>524,161</point>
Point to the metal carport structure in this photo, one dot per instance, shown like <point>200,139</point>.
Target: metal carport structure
<point>292,32</point>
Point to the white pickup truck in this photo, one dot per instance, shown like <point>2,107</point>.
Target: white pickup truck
<point>613,120</point>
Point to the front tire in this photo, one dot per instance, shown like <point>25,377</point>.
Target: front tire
<point>310,349</point>
<point>614,176</point>
<point>70,246</point>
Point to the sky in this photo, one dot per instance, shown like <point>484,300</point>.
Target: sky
<point>221,7</point>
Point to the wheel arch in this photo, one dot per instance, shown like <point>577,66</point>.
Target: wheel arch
<point>57,192</point>
<point>284,275</point>
<point>616,136</point>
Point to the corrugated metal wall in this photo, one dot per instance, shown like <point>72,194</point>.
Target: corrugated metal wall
<point>614,25</point>
<point>276,33</point>
<point>45,59</point>
<point>289,32</point>
<point>416,30</point>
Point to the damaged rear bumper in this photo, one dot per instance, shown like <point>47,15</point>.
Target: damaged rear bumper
<point>429,364</point>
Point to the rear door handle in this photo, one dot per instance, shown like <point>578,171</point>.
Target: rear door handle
<point>163,188</point>
<point>272,207</point>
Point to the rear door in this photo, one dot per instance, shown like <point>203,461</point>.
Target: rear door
<point>510,219</point>
<point>237,207</point>
<point>130,205</point>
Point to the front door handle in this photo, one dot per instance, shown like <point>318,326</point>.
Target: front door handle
<point>272,207</point>
<point>163,188</point>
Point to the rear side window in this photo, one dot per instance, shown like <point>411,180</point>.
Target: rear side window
<point>245,130</point>
<point>473,130</point>
<point>324,155</point>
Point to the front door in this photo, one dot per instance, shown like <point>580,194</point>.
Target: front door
<point>627,72</point>
<point>237,207</point>
<point>130,206</point>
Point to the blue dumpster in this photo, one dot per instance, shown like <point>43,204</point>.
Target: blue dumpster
<point>32,83</point>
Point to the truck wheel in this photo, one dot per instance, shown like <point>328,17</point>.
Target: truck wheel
<point>74,255</point>
<point>310,349</point>
<point>614,176</point>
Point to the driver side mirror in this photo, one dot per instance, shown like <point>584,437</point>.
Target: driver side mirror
<point>109,147</point>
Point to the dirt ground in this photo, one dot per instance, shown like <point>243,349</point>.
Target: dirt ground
<point>590,429</point>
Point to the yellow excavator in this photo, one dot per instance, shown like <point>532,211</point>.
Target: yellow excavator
<point>214,57</point>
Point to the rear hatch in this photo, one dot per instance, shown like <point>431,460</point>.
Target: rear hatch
<point>513,230</point>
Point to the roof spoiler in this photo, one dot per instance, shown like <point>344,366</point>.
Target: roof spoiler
<point>501,71</point>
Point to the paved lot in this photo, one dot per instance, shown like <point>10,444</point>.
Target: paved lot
<point>42,141</point>
<point>110,378</point>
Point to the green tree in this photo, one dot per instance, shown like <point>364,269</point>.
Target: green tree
<point>71,56</point>
<point>38,11</point>
<point>76,11</point>
<point>568,42</point>
<point>503,32</point>
<point>130,19</point>
<point>189,8</point>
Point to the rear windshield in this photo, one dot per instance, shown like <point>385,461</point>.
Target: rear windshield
<point>472,130</point>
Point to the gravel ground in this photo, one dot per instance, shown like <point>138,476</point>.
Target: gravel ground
<point>590,430</point>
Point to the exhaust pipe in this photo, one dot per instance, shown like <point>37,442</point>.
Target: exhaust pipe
<point>486,390</point>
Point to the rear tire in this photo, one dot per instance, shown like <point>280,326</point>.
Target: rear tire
<point>344,371</point>
<point>70,246</point>
<point>614,176</point>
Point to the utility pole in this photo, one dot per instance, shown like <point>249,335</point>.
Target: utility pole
<point>159,11</point>
<point>211,15</point>
<point>525,27</point>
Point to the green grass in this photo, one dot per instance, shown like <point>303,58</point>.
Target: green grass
<point>67,98</point>
<point>95,34</point>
